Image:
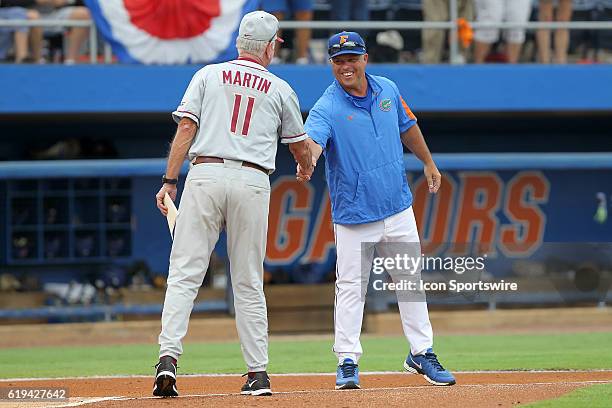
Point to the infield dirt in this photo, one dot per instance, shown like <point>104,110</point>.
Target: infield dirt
<point>496,389</point>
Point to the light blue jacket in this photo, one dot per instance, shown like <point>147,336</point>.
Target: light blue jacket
<point>363,151</point>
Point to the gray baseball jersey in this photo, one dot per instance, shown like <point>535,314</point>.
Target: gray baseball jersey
<point>241,110</point>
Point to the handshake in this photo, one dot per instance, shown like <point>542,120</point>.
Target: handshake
<point>303,174</point>
<point>306,153</point>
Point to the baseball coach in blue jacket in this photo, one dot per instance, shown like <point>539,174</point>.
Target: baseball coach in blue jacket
<point>359,124</point>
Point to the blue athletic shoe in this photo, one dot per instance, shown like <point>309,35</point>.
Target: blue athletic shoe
<point>347,375</point>
<point>428,365</point>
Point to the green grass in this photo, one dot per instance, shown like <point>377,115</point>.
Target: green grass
<point>486,352</point>
<point>596,396</point>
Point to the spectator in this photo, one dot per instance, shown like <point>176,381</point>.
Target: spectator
<point>497,11</point>
<point>302,11</point>
<point>588,44</point>
<point>345,10</point>
<point>547,13</point>
<point>66,10</point>
<point>439,10</point>
<point>17,10</point>
<point>17,35</point>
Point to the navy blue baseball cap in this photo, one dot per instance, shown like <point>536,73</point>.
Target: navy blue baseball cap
<point>346,42</point>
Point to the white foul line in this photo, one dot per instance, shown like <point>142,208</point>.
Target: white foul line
<point>327,391</point>
<point>88,401</point>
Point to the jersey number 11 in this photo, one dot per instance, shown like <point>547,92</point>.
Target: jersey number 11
<point>247,115</point>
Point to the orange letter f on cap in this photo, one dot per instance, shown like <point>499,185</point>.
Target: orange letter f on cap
<point>343,39</point>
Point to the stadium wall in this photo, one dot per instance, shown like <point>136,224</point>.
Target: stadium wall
<point>150,89</point>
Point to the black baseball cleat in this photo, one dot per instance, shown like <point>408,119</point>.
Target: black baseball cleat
<point>165,378</point>
<point>256,384</point>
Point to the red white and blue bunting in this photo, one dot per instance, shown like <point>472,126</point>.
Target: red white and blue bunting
<point>170,31</point>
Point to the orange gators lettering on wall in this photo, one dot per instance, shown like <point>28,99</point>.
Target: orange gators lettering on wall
<point>472,218</point>
<point>433,211</point>
<point>288,220</point>
<point>474,207</point>
<point>476,219</point>
<point>322,239</point>
<point>525,192</point>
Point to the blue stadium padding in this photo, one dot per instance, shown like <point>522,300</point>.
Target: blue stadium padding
<point>433,88</point>
<point>445,161</point>
<point>83,168</point>
<point>107,311</point>
<point>515,161</point>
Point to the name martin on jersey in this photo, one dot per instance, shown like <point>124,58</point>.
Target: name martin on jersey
<point>246,80</point>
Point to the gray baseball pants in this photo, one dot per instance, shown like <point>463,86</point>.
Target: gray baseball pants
<point>217,196</point>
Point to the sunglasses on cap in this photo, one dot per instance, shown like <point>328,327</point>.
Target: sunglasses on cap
<point>276,38</point>
<point>345,46</point>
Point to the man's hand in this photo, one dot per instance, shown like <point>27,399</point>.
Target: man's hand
<point>185,132</point>
<point>159,197</point>
<point>434,178</point>
<point>302,155</point>
<point>413,139</point>
<point>304,175</point>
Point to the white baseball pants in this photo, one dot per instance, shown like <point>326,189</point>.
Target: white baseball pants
<point>218,195</point>
<point>350,290</point>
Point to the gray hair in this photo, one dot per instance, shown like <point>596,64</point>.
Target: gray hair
<point>253,47</point>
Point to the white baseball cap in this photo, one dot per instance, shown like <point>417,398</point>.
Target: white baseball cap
<point>259,26</point>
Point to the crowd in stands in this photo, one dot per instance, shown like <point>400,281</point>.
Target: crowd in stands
<point>62,44</point>
<point>27,42</point>
<point>430,46</point>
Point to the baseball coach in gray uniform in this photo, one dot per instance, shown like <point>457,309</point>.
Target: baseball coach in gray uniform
<point>229,124</point>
